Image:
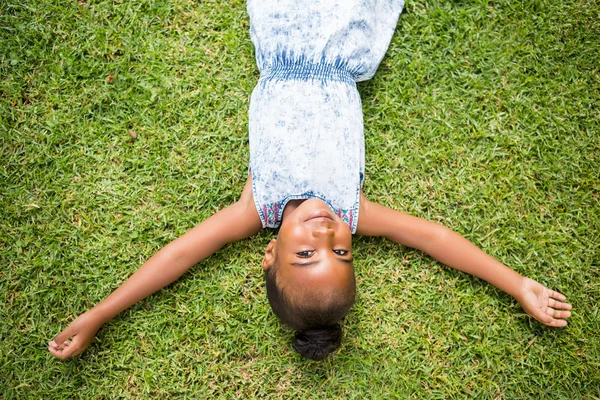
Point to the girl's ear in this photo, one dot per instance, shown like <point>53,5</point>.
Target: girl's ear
<point>270,254</point>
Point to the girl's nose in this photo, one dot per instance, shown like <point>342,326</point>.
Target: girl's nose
<point>323,231</point>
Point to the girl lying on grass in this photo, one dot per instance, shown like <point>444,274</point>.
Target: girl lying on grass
<point>305,178</point>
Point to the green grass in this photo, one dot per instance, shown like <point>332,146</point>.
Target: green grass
<point>484,116</point>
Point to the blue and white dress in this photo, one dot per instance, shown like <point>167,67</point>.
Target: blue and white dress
<point>305,122</point>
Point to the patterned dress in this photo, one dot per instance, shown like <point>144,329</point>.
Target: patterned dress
<point>305,120</point>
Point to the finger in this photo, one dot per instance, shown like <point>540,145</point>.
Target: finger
<point>562,314</point>
<point>541,316</point>
<point>63,353</point>
<point>64,345</point>
<point>557,304</point>
<point>64,335</point>
<point>557,323</point>
<point>550,311</point>
<point>557,314</point>
<point>557,295</point>
<point>58,346</point>
<point>71,351</point>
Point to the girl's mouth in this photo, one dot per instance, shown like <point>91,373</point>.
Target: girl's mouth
<point>319,214</point>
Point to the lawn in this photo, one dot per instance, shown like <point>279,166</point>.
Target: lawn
<point>124,124</point>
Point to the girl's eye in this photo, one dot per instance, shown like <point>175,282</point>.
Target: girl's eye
<point>305,254</point>
<point>340,252</point>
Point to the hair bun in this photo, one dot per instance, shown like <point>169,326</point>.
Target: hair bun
<point>317,343</point>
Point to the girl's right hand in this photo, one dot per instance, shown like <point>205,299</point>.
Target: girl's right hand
<point>76,338</point>
<point>543,304</point>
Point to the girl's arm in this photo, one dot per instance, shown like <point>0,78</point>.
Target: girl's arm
<point>238,221</point>
<point>450,248</point>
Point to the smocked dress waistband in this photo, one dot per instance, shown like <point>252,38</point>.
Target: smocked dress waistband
<point>303,70</point>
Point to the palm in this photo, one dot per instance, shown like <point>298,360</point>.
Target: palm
<point>544,304</point>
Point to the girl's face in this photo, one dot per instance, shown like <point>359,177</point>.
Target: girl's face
<point>313,249</point>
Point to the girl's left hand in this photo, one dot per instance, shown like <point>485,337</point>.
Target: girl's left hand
<point>543,304</point>
<point>76,337</point>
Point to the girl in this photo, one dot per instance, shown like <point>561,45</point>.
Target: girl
<point>305,178</point>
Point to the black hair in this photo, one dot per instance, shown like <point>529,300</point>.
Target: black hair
<point>317,343</point>
<point>316,319</point>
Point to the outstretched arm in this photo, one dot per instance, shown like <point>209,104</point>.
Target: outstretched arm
<point>450,248</point>
<point>238,221</point>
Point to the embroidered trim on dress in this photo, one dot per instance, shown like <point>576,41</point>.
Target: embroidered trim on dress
<point>270,214</point>
<point>347,217</point>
